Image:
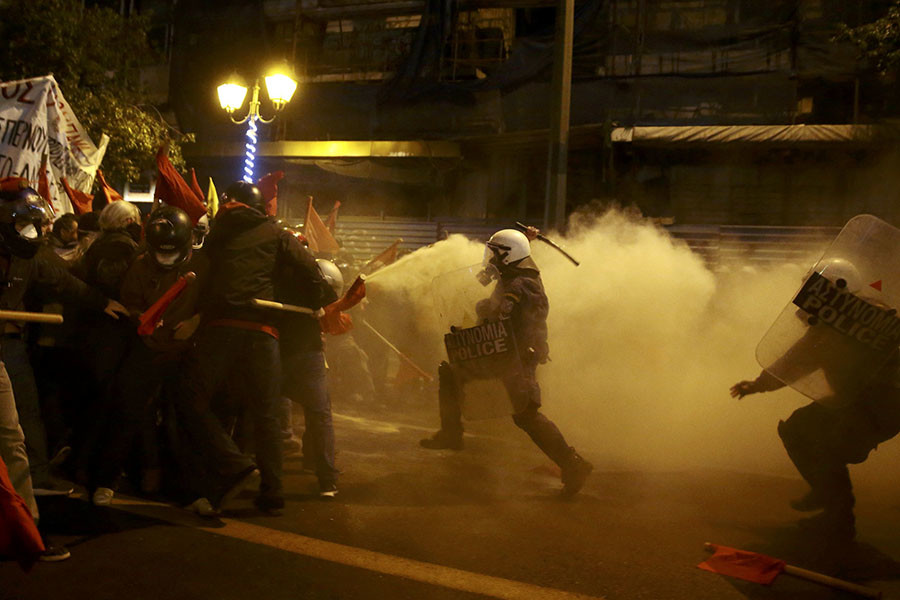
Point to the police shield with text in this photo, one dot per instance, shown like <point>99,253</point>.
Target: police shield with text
<point>837,343</point>
<point>508,343</point>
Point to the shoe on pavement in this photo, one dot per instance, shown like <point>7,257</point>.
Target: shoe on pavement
<point>102,496</point>
<point>247,478</point>
<point>443,440</point>
<point>328,492</point>
<point>202,507</point>
<point>54,554</point>
<point>53,486</point>
<point>271,505</point>
<point>575,474</point>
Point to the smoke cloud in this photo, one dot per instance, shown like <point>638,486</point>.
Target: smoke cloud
<point>645,341</point>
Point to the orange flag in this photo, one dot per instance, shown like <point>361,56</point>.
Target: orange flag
<point>172,189</point>
<point>331,221</point>
<point>317,235</point>
<point>386,257</point>
<point>19,536</point>
<point>268,187</point>
<point>81,202</point>
<point>335,322</point>
<point>107,190</point>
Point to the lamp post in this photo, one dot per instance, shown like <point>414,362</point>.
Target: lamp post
<point>280,87</point>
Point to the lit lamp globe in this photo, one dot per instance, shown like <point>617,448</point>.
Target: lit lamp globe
<point>280,88</point>
<point>231,95</point>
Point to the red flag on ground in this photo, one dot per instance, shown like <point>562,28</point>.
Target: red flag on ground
<point>749,566</point>
<point>317,235</point>
<point>151,317</point>
<point>107,190</point>
<point>268,187</point>
<point>81,202</point>
<point>331,221</point>
<point>334,321</point>
<point>386,257</point>
<point>19,536</point>
<point>172,189</point>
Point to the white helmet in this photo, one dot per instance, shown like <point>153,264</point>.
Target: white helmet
<point>332,275</point>
<point>842,273</point>
<point>201,230</point>
<point>506,247</point>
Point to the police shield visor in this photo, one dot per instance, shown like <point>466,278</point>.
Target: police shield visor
<point>166,257</point>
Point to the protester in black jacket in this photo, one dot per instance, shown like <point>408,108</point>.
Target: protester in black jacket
<point>238,344</point>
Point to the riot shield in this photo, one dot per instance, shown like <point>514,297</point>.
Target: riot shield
<point>841,326</point>
<point>480,348</point>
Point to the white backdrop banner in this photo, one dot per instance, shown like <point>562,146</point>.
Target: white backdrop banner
<point>36,122</point>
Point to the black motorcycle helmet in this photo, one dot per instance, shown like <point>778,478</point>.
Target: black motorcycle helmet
<point>245,193</point>
<point>22,214</point>
<point>169,233</point>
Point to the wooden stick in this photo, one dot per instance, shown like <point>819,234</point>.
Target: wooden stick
<point>822,579</point>
<point>404,357</point>
<point>30,317</point>
<point>286,307</point>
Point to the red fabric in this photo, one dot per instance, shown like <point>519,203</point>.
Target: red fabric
<point>334,321</point>
<point>268,187</point>
<point>13,184</point>
<point>82,203</point>
<point>331,221</point>
<point>741,564</point>
<point>172,189</point>
<point>19,537</point>
<point>317,235</point>
<point>107,190</point>
<point>386,257</point>
<point>44,185</point>
<point>151,317</point>
<point>876,285</point>
<point>195,186</point>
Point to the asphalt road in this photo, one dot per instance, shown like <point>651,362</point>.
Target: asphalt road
<point>484,522</point>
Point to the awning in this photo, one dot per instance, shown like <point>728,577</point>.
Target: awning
<point>758,134</point>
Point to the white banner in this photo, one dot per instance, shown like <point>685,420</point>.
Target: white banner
<point>37,122</point>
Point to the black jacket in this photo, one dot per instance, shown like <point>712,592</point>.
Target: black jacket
<point>247,252</point>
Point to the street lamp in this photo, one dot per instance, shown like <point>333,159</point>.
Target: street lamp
<point>280,87</point>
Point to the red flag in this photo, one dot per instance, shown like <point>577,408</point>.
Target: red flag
<point>111,194</point>
<point>741,564</point>
<point>331,221</point>
<point>386,257</point>
<point>268,186</point>
<point>13,184</point>
<point>195,187</point>
<point>317,235</point>
<point>334,321</point>
<point>172,189</point>
<point>81,202</point>
<point>44,182</point>
<point>19,536</point>
<point>151,317</point>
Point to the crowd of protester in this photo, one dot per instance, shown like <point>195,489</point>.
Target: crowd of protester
<point>165,377</point>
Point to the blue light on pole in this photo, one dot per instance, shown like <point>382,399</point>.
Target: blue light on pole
<point>280,88</point>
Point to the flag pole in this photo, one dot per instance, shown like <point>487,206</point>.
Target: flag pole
<point>402,356</point>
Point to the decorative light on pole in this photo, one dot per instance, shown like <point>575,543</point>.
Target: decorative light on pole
<point>280,87</point>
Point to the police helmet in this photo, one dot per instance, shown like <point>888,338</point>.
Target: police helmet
<point>22,213</point>
<point>245,193</point>
<point>332,275</point>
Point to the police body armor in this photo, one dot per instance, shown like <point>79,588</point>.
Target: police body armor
<point>841,326</point>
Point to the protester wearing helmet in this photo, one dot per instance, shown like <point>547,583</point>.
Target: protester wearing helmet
<point>239,343</point>
<point>23,445</point>
<point>156,361</point>
<point>519,297</point>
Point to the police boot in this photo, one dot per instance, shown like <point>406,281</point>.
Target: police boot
<point>574,474</point>
<point>443,440</point>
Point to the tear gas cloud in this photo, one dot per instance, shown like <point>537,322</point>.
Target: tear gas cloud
<point>645,341</point>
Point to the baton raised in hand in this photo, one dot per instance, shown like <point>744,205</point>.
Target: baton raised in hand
<point>550,243</point>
